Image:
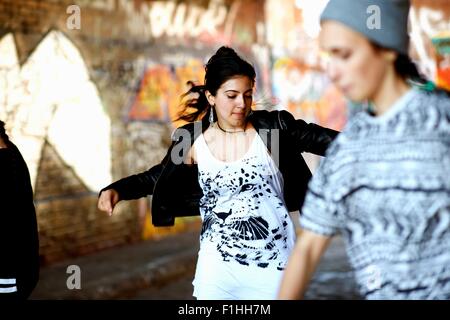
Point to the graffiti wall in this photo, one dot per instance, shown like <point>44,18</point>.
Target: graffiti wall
<point>307,93</point>
<point>429,33</point>
<point>442,46</point>
<point>298,81</point>
<point>51,98</point>
<point>164,78</point>
<point>160,88</point>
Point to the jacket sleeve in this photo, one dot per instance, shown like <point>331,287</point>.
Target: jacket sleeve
<point>8,228</point>
<point>139,185</point>
<point>19,242</point>
<point>309,137</point>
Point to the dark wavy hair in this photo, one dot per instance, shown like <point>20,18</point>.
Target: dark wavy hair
<point>404,66</point>
<point>407,69</point>
<point>222,66</point>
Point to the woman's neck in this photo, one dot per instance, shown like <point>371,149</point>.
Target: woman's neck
<point>3,143</point>
<point>392,88</point>
<point>226,129</point>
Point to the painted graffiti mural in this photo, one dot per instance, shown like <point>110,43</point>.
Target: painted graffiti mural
<point>430,31</point>
<point>308,94</point>
<point>51,98</point>
<point>160,88</point>
<point>214,23</point>
<point>442,46</point>
<point>298,81</point>
<point>181,19</point>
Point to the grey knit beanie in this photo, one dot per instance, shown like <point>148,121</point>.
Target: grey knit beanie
<point>389,31</point>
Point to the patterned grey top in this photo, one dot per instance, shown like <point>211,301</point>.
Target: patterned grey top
<point>385,185</point>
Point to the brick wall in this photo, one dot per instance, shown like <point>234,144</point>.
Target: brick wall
<point>69,223</point>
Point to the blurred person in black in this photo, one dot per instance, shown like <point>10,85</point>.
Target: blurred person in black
<point>19,242</point>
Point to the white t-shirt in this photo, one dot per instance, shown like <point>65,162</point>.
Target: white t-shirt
<point>247,234</point>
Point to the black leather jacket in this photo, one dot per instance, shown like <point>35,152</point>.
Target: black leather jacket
<point>175,187</point>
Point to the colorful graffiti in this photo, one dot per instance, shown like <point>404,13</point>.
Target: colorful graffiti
<point>428,24</point>
<point>217,22</point>
<point>160,89</point>
<point>308,94</point>
<point>442,46</point>
<point>180,19</point>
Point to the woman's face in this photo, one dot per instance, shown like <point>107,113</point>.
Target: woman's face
<point>233,101</point>
<point>356,67</point>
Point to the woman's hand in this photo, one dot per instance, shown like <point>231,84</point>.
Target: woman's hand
<point>107,200</point>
